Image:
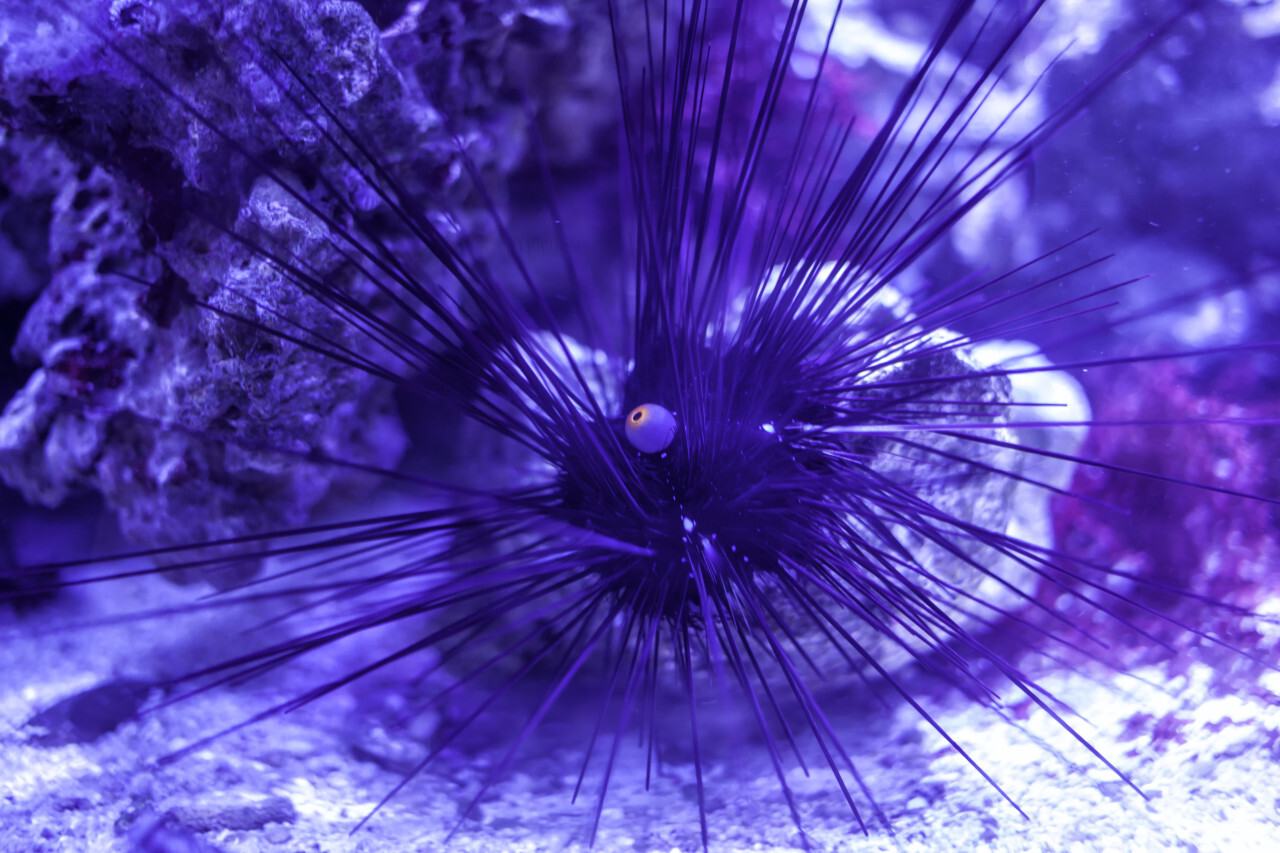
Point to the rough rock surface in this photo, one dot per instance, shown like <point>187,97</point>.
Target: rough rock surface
<point>131,196</point>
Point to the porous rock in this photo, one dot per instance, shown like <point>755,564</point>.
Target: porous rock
<point>140,133</point>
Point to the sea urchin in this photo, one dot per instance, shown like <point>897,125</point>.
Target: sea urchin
<point>759,470</point>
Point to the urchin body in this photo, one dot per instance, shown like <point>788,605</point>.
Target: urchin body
<point>772,483</point>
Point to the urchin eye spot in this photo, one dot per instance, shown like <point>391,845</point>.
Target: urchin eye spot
<point>651,428</point>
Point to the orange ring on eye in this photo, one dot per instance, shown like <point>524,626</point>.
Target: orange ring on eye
<point>650,428</point>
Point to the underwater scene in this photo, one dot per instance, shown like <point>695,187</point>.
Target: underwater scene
<point>639,425</point>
